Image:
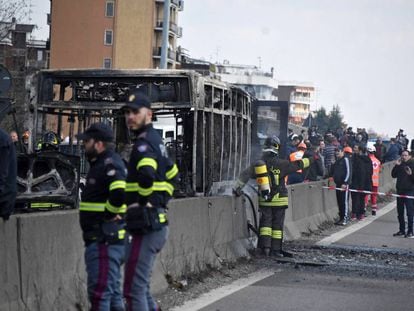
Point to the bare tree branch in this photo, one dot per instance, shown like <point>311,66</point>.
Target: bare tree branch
<point>10,9</point>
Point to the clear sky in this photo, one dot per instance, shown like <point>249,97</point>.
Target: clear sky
<point>359,54</point>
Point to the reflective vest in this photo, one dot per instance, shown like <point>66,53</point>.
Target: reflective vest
<point>296,156</point>
<point>376,167</point>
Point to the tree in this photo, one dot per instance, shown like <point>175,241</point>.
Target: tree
<point>321,120</point>
<point>11,11</point>
<point>331,120</point>
<point>335,118</point>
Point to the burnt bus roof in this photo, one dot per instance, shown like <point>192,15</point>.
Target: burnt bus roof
<point>97,89</point>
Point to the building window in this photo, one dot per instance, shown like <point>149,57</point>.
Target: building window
<point>109,9</point>
<point>108,37</point>
<point>39,55</point>
<point>107,63</point>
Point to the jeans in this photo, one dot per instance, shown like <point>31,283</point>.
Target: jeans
<point>141,251</point>
<point>103,266</point>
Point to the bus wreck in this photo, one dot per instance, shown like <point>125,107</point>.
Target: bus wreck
<point>205,123</point>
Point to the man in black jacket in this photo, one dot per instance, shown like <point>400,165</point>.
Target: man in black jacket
<point>101,211</point>
<point>403,171</point>
<point>361,180</point>
<point>8,174</point>
<point>341,171</point>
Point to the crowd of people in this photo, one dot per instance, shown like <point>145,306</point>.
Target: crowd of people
<point>353,161</point>
<point>322,147</point>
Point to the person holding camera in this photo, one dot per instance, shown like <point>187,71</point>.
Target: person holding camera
<point>403,171</point>
<point>150,185</point>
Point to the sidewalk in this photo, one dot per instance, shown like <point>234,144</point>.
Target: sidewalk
<point>372,232</point>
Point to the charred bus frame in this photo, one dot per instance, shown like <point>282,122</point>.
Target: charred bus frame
<point>212,119</point>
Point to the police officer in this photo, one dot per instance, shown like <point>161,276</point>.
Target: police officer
<point>273,204</point>
<point>101,210</point>
<point>150,179</point>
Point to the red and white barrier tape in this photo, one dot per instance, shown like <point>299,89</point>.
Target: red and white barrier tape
<point>389,194</point>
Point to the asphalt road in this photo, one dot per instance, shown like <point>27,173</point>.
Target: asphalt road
<point>379,278</point>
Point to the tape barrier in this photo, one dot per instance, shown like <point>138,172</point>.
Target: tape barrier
<point>388,194</point>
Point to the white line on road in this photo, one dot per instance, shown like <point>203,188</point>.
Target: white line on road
<point>355,227</point>
<point>221,292</point>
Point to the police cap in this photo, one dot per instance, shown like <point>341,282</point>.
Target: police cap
<point>97,131</point>
<point>137,100</point>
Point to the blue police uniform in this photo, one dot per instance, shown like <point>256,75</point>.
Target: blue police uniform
<point>150,180</point>
<point>101,200</point>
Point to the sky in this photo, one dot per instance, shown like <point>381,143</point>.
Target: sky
<point>359,54</point>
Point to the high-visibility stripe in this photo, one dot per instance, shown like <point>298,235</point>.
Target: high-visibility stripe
<point>277,234</point>
<point>116,209</point>
<point>163,186</point>
<point>162,217</point>
<point>131,187</point>
<point>306,162</point>
<point>276,201</point>
<point>92,207</point>
<point>117,184</point>
<point>157,186</point>
<point>266,231</point>
<point>121,234</point>
<point>145,191</point>
<point>147,162</point>
<point>44,205</point>
<point>172,172</point>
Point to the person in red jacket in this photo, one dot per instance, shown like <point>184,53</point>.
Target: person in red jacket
<point>376,168</point>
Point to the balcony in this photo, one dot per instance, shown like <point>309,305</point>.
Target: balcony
<point>179,4</point>
<point>171,55</point>
<point>301,99</point>
<point>174,28</point>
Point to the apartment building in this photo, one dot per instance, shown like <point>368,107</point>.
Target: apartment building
<point>118,34</point>
<point>300,97</point>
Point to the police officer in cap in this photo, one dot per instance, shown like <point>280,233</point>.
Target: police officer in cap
<point>101,218</point>
<point>150,180</point>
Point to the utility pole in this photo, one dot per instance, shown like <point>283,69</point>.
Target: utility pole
<point>165,30</point>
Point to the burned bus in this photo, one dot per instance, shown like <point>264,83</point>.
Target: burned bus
<point>205,123</point>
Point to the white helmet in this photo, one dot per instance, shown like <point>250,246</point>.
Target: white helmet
<point>371,149</point>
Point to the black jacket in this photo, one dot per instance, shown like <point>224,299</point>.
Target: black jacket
<point>341,171</point>
<point>8,175</point>
<point>103,196</point>
<point>315,169</point>
<point>362,172</point>
<point>151,173</point>
<point>405,182</point>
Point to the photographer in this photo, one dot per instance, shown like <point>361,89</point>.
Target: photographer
<point>403,171</point>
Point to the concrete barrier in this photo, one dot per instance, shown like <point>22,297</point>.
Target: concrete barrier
<point>42,266</point>
<point>10,293</point>
<point>52,267</point>
<point>387,183</point>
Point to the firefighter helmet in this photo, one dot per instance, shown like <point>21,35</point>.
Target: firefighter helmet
<point>50,141</point>
<point>272,143</point>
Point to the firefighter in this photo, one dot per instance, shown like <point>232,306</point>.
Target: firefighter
<point>150,185</point>
<point>49,142</point>
<point>101,218</point>
<point>273,195</point>
<point>376,168</point>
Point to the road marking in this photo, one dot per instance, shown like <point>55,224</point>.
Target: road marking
<point>355,227</point>
<point>221,292</point>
